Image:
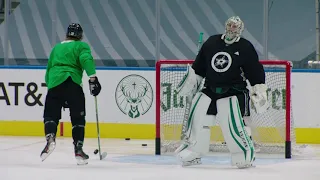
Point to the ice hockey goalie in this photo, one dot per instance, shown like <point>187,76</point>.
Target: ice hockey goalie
<point>233,77</point>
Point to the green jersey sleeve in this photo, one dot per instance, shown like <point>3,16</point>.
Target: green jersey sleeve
<point>86,59</point>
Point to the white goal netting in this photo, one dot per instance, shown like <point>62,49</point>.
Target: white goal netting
<point>272,131</point>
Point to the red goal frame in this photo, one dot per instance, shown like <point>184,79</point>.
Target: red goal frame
<point>288,69</point>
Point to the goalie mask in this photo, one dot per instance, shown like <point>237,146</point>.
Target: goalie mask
<point>233,29</point>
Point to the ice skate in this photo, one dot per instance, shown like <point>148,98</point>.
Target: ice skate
<point>196,161</point>
<point>50,146</point>
<point>81,157</point>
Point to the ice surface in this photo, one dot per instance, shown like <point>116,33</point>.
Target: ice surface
<point>128,160</point>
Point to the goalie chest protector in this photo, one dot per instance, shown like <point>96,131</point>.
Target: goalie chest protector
<point>220,64</point>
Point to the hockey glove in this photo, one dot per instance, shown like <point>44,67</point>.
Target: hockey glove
<point>94,86</point>
<point>258,95</point>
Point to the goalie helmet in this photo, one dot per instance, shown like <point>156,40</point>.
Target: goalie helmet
<point>233,29</point>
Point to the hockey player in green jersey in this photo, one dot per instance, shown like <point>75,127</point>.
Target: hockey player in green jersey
<point>65,67</point>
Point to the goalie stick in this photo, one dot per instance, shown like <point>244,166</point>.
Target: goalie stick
<point>184,136</point>
<point>249,87</point>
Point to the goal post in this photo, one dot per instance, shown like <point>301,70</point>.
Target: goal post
<point>272,131</point>
<point>289,126</point>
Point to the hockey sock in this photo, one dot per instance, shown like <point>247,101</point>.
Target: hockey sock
<point>78,129</point>
<point>78,133</point>
<point>50,126</point>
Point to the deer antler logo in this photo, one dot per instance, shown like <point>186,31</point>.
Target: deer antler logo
<point>134,95</point>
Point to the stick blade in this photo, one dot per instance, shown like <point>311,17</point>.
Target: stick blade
<point>103,155</point>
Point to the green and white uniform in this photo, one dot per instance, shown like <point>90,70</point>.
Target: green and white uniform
<point>69,59</point>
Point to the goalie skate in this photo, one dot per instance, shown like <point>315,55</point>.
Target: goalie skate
<point>245,166</point>
<point>50,146</point>
<point>196,161</point>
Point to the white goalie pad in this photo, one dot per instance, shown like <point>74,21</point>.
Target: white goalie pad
<point>237,139</point>
<point>198,132</point>
<point>189,83</point>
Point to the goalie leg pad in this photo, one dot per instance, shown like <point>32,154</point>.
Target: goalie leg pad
<point>231,122</point>
<point>198,133</point>
<point>249,126</point>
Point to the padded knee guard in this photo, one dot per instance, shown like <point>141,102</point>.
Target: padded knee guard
<point>198,131</point>
<point>231,122</point>
<point>78,128</point>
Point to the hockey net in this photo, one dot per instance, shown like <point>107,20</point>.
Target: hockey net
<point>272,131</point>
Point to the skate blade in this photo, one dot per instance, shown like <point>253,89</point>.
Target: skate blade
<point>44,156</point>
<point>81,161</point>
<point>191,163</point>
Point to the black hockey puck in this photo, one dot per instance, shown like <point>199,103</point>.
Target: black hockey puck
<point>96,151</point>
<point>127,139</point>
<point>144,145</point>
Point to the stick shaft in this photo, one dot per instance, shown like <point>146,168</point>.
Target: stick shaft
<point>184,135</point>
<point>97,121</point>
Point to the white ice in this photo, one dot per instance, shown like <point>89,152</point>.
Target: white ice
<point>128,160</point>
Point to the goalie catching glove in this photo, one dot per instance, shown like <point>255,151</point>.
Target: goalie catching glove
<point>190,83</point>
<point>258,96</point>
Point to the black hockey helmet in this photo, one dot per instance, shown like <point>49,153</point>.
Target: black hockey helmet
<point>75,31</point>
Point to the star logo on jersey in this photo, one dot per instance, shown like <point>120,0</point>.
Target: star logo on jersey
<point>221,62</point>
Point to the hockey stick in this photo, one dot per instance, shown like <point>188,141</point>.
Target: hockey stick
<point>184,135</point>
<point>249,87</point>
<point>104,154</point>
